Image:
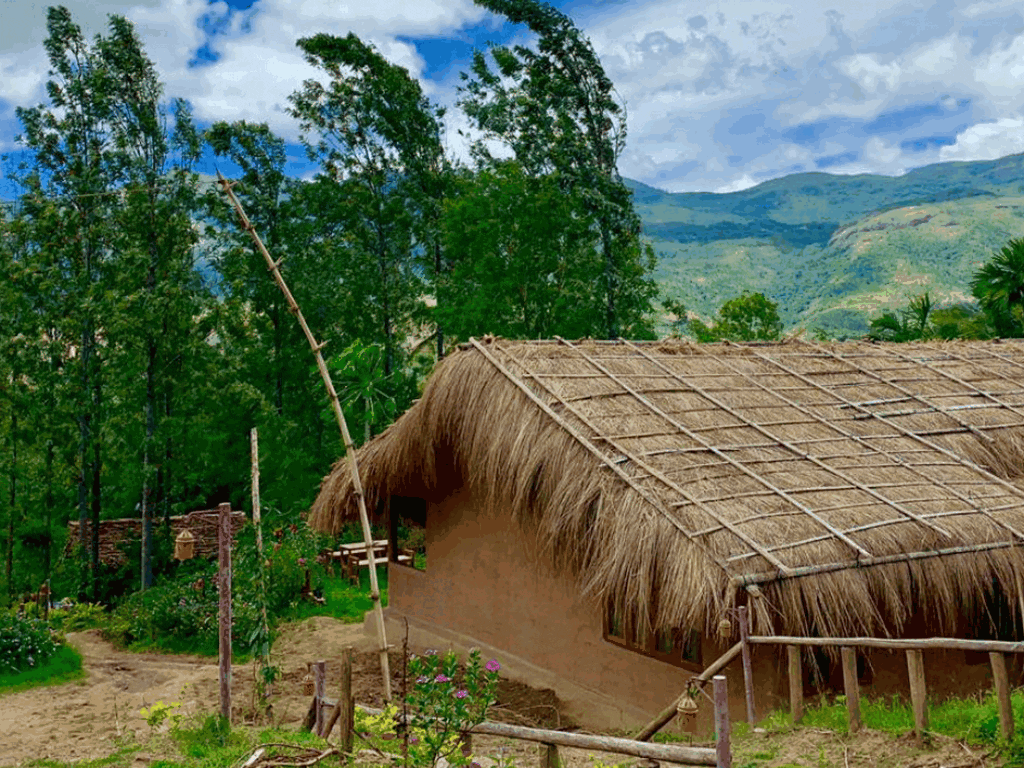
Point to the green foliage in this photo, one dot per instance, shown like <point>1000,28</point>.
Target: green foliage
<point>999,287</point>
<point>24,643</point>
<point>64,666</point>
<point>78,617</point>
<point>750,317</point>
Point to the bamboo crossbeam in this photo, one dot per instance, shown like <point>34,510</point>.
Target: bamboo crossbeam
<point>917,437</point>
<point>350,451</point>
<point>749,541</point>
<point>655,504</point>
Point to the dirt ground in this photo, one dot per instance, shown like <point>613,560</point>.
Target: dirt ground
<point>88,719</point>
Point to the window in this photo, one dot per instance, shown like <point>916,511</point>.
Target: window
<point>673,645</point>
<point>408,517</point>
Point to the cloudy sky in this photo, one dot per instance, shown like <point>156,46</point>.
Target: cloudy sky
<point>720,95</point>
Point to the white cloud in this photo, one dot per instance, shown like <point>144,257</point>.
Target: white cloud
<point>987,141</point>
<point>869,73</point>
<point>738,185</point>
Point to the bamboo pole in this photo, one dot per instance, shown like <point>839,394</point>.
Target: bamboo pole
<point>918,692</point>
<point>796,684</point>
<point>669,712</point>
<point>255,459</point>
<point>748,674</point>
<point>350,451</point>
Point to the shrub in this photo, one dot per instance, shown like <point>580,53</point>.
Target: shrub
<point>24,643</point>
<point>78,617</point>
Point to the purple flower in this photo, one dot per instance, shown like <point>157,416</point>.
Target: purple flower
<point>492,665</point>
<point>461,694</point>
<point>302,561</point>
<point>441,679</point>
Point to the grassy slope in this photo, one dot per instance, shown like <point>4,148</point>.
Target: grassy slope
<point>833,250</point>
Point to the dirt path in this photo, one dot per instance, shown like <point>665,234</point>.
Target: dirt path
<point>84,720</point>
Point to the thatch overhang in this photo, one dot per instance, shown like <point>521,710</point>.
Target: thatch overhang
<point>846,485</point>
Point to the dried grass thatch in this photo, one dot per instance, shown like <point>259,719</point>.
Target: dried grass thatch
<point>852,484</point>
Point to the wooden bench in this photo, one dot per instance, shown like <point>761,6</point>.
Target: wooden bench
<point>353,557</point>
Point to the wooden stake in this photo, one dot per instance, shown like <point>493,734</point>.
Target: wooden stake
<point>344,709</point>
<point>918,692</point>
<point>851,687</point>
<point>350,450</point>
<point>255,459</point>
<point>723,753</point>
<point>796,683</point>
<point>548,754</point>
<point>319,693</point>
<point>224,613</point>
<point>748,675</point>
<point>1002,688</point>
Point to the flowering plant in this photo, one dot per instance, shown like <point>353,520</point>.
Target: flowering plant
<point>445,706</point>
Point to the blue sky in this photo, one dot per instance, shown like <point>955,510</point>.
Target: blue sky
<point>719,95</point>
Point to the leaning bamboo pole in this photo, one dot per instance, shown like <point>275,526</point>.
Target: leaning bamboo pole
<point>350,450</point>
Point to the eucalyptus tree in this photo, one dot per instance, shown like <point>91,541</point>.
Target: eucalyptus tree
<point>555,109</point>
<point>156,239</point>
<point>72,144</point>
<point>377,138</point>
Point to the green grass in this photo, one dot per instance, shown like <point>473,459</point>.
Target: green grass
<point>64,666</point>
<point>345,601</point>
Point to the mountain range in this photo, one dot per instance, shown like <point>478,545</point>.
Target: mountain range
<point>835,251</point>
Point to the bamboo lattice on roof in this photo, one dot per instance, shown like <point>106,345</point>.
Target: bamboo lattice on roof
<point>838,477</point>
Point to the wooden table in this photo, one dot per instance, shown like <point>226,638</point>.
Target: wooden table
<point>353,557</point>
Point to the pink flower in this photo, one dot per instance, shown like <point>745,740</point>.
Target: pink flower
<point>492,665</point>
<point>461,694</point>
<point>441,679</point>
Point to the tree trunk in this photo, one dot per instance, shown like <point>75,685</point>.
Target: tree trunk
<point>9,570</point>
<point>96,466</point>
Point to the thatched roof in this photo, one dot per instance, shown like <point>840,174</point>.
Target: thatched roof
<point>849,485</point>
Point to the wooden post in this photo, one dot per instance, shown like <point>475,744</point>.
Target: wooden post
<point>918,692</point>
<point>1002,686</point>
<point>548,754</point>
<point>224,613</point>
<point>723,754</point>
<point>796,684</point>
<point>319,693</point>
<point>851,687</point>
<point>344,711</point>
<point>255,459</point>
<point>748,675</point>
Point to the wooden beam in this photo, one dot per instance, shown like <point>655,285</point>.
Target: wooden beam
<point>224,608</point>
<point>796,683</point>
<point>923,644</point>
<point>851,687</point>
<point>918,691</point>
<point>1001,682</point>
<point>723,752</point>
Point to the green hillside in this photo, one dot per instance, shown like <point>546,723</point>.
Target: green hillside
<point>835,250</point>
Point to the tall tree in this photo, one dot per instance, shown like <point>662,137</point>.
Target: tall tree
<point>557,113</point>
<point>72,144</point>
<point>749,317</point>
<point>378,138</point>
<point>154,165</point>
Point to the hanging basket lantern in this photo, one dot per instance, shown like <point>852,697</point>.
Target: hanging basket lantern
<point>724,628</point>
<point>687,707</point>
<point>184,545</point>
<point>308,686</point>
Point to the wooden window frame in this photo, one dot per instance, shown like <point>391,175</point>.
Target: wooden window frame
<point>628,640</point>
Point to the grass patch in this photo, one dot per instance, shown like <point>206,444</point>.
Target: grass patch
<point>65,666</point>
<point>344,601</point>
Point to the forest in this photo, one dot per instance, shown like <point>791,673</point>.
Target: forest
<point>142,338</point>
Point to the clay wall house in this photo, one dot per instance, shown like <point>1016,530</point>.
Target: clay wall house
<point>594,510</point>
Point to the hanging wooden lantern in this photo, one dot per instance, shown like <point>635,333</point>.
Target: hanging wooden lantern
<point>724,628</point>
<point>185,545</point>
<point>308,686</point>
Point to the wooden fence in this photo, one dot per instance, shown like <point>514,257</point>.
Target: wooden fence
<point>324,713</point>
